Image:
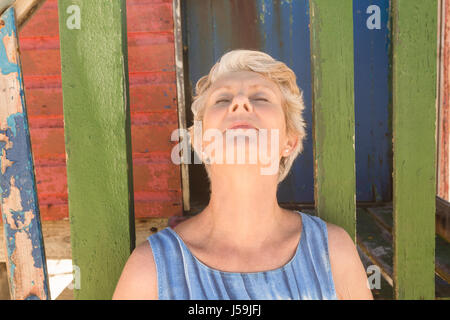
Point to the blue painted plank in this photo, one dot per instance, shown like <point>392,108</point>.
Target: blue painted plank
<point>284,28</point>
<point>372,109</point>
<point>26,262</point>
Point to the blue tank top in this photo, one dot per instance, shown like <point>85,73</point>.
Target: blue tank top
<point>307,275</point>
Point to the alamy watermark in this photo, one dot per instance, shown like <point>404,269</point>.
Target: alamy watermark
<point>374,280</point>
<point>76,283</point>
<point>233,146</point>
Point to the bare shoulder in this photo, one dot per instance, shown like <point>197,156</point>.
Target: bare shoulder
<point>138,280</point>
<point>349,275</point>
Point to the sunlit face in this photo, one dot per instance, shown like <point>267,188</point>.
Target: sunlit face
<point>249,97</point>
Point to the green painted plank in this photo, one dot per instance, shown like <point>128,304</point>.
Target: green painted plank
<point>333,112</point>
<point>414,54</point>
<point>98,141</point>
<point>26,264</point>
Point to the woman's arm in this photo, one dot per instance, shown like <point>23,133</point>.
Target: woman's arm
<point>138,280</point>
<point>349,275</point>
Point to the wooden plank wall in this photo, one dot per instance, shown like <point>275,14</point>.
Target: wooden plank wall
<point>153,105</point>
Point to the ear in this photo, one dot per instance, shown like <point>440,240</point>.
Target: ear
<point>290,145</point>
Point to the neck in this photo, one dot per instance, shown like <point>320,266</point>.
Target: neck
<point>243,210</point>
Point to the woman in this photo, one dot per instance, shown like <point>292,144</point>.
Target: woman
<point>243,245</point>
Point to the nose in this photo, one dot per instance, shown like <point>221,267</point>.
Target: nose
<point>240,103</point>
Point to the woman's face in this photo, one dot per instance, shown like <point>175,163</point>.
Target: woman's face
<point>250,98</point>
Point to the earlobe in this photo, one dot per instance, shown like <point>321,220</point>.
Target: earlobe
<point>290,145</point>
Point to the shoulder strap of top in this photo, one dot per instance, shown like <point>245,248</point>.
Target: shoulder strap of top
<point>169,259</point>
<point>315,247</point>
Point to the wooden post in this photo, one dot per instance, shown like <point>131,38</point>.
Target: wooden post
<point>414,55</point>
<point>98,141</point>
<point>333,112</point>
<point>177,31</point>
<point>26,264</point>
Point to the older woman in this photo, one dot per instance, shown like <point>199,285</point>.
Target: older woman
<point>243,245</point>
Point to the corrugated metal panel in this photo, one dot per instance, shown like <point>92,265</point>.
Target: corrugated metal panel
<point>152,100</point>
<point>281,28</point>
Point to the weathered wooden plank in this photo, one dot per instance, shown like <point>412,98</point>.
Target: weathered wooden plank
<point>5,4</point>
<point>414,52</point>
<point>98,141</point>
<point>385,290</point>
<point>333,112</point>
<point>20,210</point>
<point>443,218</point>
<point>442,288</point>
<point>443,121</point>
<point>179,54</point>
<point>383,216</point>
<point>375,242</point>
<point>374,227</point>
<point>442,258</point>
<point>24,9</point>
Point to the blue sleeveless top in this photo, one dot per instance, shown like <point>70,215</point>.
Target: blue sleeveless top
<point>181,276</point>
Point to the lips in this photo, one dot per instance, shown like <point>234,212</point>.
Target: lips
<point>241,125</point>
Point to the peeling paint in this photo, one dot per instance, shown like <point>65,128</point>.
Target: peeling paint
<point>25,252</point>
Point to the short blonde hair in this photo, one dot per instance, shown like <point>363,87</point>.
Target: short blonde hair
<point>276,71</point>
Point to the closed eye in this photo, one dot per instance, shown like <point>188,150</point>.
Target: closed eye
<point>227,100</point>
<point>260,100</point>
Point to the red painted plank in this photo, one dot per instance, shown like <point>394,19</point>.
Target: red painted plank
<point>151,138</point>
<point>156,57</point>
<point>143,58</point>
<point>52,211</point>
<point>44,23</point>
<point>153,77</point>
<point>444,121</point>
<point>149,17</point>
<point>41,62</point>
<point>156,177</point>
<point>145,97</point>
<point>47,143</point>
<point>52,180</point>
<point>44,102</point>
<point>153,97</point>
